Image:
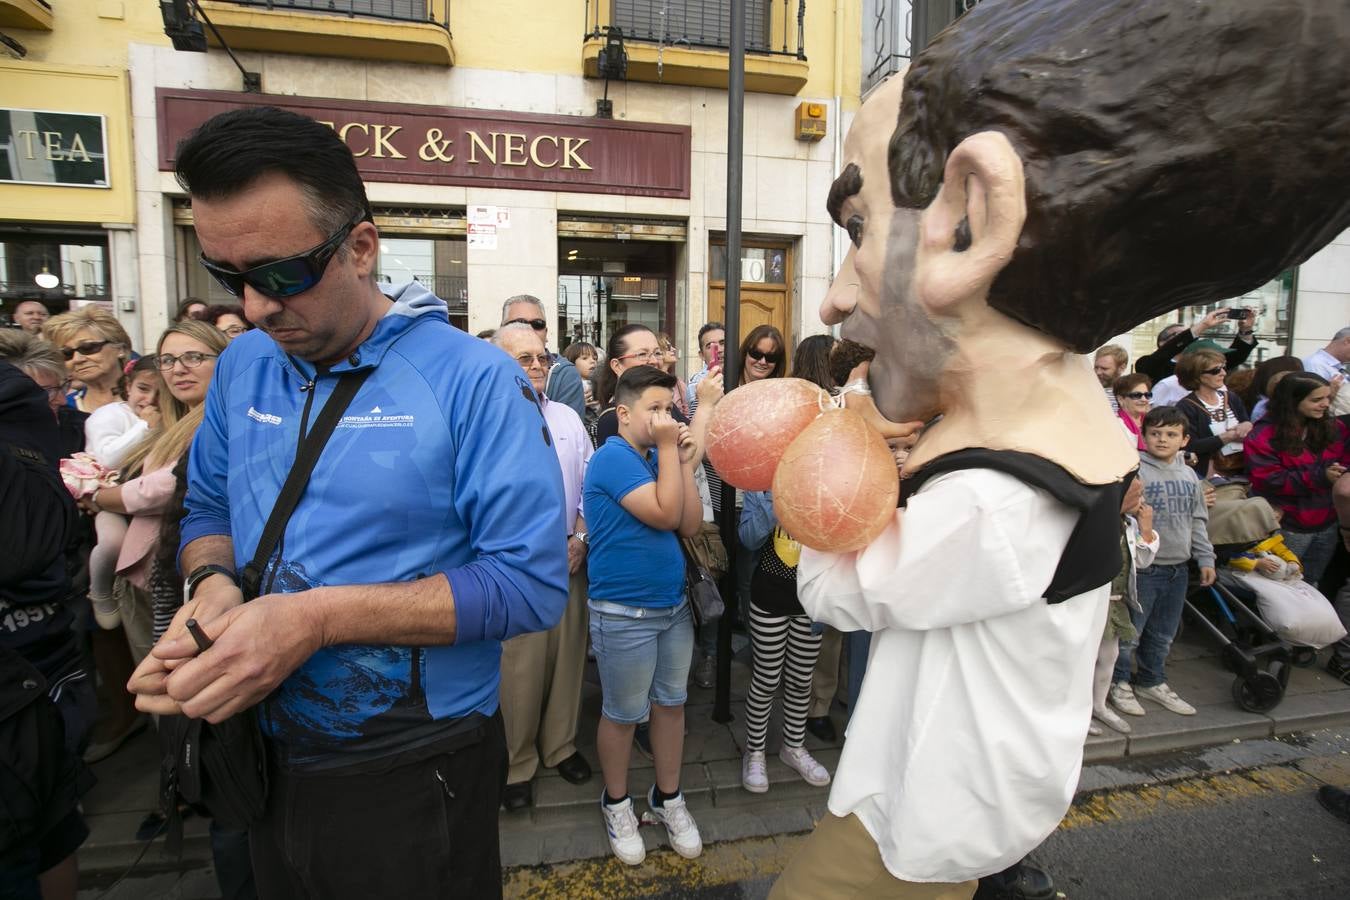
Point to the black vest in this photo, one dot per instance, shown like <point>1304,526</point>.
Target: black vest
<point>1091,558</point>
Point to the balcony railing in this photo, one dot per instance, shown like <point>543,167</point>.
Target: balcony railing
<point>774,27</point>
<point>437,12</point>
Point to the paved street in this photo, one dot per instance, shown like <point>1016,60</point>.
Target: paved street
<point>1237,788</point>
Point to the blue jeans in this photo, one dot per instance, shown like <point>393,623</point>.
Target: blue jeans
<point>1314,550</point>
<point>643,655</point>
<point>1162,595</point>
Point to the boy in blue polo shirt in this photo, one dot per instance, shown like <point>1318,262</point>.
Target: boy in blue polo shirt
<point>638,495</point>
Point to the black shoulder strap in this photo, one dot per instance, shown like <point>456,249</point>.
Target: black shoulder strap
<point>305,459</point>
<point>1091,558</point>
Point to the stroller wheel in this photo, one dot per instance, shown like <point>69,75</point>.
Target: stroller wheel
<point>1257,693</point>
<point>1305,657</point>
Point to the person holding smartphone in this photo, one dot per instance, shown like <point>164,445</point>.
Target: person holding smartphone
<point>1174,339</point>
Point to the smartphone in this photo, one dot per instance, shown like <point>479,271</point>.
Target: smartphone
<point>716,356</point>
<point>1237,312</point>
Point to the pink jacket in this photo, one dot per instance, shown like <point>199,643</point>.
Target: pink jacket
<point>147,498</point>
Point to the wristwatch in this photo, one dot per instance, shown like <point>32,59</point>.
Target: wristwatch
<point>581,536</point>
<point>200,574</point>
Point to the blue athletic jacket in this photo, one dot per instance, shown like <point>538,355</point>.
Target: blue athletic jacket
<point>440,464</point>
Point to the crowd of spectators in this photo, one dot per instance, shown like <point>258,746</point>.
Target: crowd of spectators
<point>629,435</point>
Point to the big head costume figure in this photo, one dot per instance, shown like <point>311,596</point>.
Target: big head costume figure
<point>1053,173</point>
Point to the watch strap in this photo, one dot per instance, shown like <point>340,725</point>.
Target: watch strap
<point>201,573</point>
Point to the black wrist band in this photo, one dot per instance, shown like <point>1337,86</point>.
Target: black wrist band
<point>201,573</point>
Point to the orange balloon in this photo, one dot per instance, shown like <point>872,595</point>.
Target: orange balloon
<point>754,424</point>
<point>836,485</point>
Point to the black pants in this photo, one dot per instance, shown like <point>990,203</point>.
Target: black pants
<point>424,825</point>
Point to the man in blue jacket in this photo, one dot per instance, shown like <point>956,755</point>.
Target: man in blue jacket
<point>428,533</point>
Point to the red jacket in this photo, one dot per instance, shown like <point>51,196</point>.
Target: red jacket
<point>1295,483</point>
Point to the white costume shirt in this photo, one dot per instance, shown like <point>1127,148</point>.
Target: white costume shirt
<point>964,751</point>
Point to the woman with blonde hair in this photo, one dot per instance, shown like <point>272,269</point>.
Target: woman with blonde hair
<point>186,360</point>
<point>96,348</point>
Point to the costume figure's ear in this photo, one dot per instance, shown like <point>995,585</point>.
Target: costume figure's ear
<point>970,230</point>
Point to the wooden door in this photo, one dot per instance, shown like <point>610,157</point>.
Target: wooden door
<point>766,300</point>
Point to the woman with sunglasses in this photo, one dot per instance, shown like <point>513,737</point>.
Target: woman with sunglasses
<point>186,358</point>
<point>1295,454</point>
<point>762,354</point>
<point>1134,393</point>
<point>96,348</point>
<point>1216,418</point>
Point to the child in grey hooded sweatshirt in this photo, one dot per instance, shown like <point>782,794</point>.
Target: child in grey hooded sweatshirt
<point>1181,520</point>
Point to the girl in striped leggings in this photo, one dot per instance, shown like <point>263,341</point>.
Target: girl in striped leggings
<point>784,644</point>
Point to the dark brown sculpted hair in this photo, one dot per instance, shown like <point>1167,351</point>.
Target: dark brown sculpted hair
<point>1174,153</point>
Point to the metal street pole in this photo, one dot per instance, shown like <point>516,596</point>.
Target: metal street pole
<point>732,362</point>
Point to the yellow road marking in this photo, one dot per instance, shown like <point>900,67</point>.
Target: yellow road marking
<point>752,858</point>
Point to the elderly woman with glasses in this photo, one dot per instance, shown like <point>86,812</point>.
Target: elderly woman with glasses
<point>1134,393</point>
<point>95,347</point>
<point>1216,418</point>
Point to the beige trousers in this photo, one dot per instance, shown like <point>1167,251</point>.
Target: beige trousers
<point>541,688</point>
<point>841,861</point>
<point>138,617</point>
<point>825,681</point>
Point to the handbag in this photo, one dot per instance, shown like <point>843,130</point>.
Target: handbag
<point>705,600</point>
<point>706,550</point>
<point>222,767</point>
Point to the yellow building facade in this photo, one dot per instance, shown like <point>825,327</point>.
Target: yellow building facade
<point>475,125</point>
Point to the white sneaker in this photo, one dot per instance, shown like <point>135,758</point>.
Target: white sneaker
<point>754,772</point>
<point>680,826</point>
<point>1108,716</point>
<point>622,824</point>
<point>1121,696</point>
<point>1167,698</point>
<point>805,765</point>
<point>1094,729</point>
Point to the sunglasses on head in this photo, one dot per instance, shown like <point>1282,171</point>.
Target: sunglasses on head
<point>283,278</point>
<point>1139,395</point>
<point>1217,370</point>
<point>84,348</point>
<point>536,324</point>
<point>760,356</point>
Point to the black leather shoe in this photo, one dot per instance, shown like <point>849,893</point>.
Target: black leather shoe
<point>1024,881</point>
<point>1335,801</point>
<point>575,769</point>
<point>823,728</point>
<point>1338,670</point>
<point>518,796</point>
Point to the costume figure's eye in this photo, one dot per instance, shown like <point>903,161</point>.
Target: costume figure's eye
<point>854,226</point>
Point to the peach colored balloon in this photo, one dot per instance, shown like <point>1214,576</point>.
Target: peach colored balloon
<point>836,485</point>
<point>754,424</point>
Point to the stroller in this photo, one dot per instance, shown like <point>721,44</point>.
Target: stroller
<point>1250,647</point>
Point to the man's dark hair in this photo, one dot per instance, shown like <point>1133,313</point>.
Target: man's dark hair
<point>1164,417</point>
<point>231,151</point>
<point>1165,163</point>
<point>637,379</point>
<point>707,327</point>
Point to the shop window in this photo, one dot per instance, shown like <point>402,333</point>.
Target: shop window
<point>64,271</point>
<point>604,285</point>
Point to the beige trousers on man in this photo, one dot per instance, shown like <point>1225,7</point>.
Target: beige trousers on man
<point>541,688</point>
<point>841,861</point>
<point>825,678</point>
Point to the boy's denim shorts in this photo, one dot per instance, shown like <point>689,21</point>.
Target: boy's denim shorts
<point>643,655</point>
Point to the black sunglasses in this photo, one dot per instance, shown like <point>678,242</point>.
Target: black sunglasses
<point>84,348</point>
<point>1217,370</point>
<point>1139,395</point>
<point>283,278</point>
<point>760,355</point>
<point>536,324</point>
